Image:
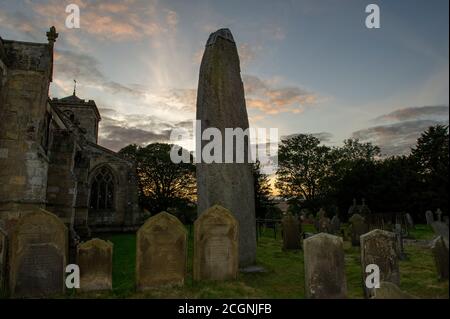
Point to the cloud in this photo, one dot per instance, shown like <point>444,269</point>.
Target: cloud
<point>398,138</point>
<point>415,113</point>
<point>86,69</point>
<point>409,123</point>
<point>264,96</point>
<point>112,19</point>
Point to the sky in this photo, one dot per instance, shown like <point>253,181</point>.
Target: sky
<point>308,66</point>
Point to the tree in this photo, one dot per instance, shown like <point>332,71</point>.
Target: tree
<point>163,185</point>
<point>302,165</point>
<point>263,201</point>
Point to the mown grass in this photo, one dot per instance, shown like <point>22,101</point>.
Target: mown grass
<point>284,276</point>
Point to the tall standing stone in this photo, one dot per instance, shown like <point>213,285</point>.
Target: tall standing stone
<point>291,232</point>
<point>379,247</point>
<point>161,252</point>
<point>324,267</point>
<point>3,250</point>
<point>335,225</point>
<point>216,248</point>
<point>38,255</point>
<point>221,104</point>
<point>440,253</point>
<point>441,229</point>
<point>95,258</point>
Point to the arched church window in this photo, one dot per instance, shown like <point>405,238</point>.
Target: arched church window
<point>102,190</point>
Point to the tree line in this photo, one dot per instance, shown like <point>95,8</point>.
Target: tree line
<point>311,175</point>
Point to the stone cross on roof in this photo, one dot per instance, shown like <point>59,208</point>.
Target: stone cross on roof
<point>52,35</point>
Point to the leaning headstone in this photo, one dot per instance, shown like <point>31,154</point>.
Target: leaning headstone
<point>216,250</point>
<point>324,267</point>
<point>439,214</point>
<point>440,254</point>
<point>221,106</point>
<point>38,254</point>
<point>358,227</point>
<point>441,229</point>
<point>3,250</point>
<point>291,232</point>
<point>161,252</point>
<point>94,258</point>
<point>335,225</point>
<point>388,290</point>
<point>378,247</point>
<point>429,217</point>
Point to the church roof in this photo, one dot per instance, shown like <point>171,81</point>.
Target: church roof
<point>73,100</point>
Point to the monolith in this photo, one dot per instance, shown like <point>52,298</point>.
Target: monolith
<point>221,105</point>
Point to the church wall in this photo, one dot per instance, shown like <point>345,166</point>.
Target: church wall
<point>23,160</point>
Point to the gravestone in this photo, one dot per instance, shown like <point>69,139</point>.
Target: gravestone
<point>321,214</point>
<point>399,242</point>
<point>324,267</point>
<point>388,290</point>
<point>37,255</point>
<point>445,219</point>
<point>439,214</point>
<point>358,227</point>
<point>94,258</point>
<point>3,251</point>
<point>221,106</point>
<point>216,250</point>
<point>335,225</point>
<point>161,252</point>
<point>440,255</point>
<point>409,220</point>
<point>429,217</point>
<point>441,229</point>
<point>324,225</point>
<point>291,232</point>
<point>378,247</point>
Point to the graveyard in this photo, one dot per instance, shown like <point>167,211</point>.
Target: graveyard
<point>284,276</point>
<point>127,200</point>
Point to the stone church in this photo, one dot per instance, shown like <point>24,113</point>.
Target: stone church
<point>49,156</point>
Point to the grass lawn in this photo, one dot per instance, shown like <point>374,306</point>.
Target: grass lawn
<point>284,277</point>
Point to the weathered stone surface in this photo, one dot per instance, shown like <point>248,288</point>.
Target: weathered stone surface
<point>440,253</point>
<point>388,290</point>
<point>37,255</point>
<point>429,217</point>
<point>409,220</point>
<point>216,247</point>
<point>439,214</point>
<point>324,267</point>
<point>324,225</point>
<point>441,229</point>
<point>95,258</point>
<point>3,255</point>
<point>221,105</point>
<point>291,232</point>
<point>378,247</point>
<point>358,227</point>
<point>399,242</point>
<point>161,252</point>
<point>335,225</point>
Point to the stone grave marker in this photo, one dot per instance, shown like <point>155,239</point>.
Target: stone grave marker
<point>440,255</point>
<point>37,255</point>
<point>216,250</point>
<point>94,258</point>
<point>325,225</point>
<point>429,217</point>
<point>358,227</point>
<point>399,242</point>
<point>335,225</point>
<point>439,214</point>
<point>291,232</point>
<point>441,229</point>
<point>324,267</point>
<point>378,247</point>
<point>161,252</point>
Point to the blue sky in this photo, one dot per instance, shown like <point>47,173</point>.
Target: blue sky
<point>308,66</point>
